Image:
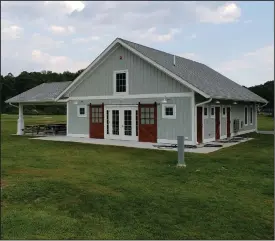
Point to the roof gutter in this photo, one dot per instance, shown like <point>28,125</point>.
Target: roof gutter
<point>260,107</point>
<point>13,105</point>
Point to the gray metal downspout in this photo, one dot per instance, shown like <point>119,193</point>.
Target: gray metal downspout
<point>13,105</point>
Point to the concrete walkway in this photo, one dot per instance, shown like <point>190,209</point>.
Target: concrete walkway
<point>266,132</point>
<point>134,144</point>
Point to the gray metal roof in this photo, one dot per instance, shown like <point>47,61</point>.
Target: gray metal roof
<point>199,75</point>
<point>46,92</point>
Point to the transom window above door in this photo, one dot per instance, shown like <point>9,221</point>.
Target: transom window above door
<point>121,82</point>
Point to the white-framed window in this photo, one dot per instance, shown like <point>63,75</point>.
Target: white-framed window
<point>169,111</point>
<point>251,115</point>
<point>205,112</point>
<point>245,116</point>
<point>120,82</point>
<point>212,112</point>
<point>82,111</point>
<point>223,111</point>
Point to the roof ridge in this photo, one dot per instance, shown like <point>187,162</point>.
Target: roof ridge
<point>159,50</point>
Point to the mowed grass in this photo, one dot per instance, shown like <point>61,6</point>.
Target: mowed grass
<point>55,190</point>
<point>265,123</point>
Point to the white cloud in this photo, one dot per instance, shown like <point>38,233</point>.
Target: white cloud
<point>11,32</point>
<point>192,56</point>
<point>247,21</point>
<point>66,6</point>
<point>85,40</point>
<point>151,35</point>
<point>61,30</point>
<point>227,13</point>
<point>192,36</point>
<point>44,42</point>
<point>56,63</point>
<point>259,58</point>
<point>254,67</point>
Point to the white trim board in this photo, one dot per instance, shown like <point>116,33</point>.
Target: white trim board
<point>164,116</point>
<point>174,76</point>
<point>126,82</point>
<point>140,96</point>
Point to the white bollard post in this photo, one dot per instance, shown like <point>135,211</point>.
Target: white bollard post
<point>181,162</point>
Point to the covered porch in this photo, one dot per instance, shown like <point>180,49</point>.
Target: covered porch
<point>42,95</point>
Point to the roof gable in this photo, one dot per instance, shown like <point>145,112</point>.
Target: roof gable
<point>198,77</point>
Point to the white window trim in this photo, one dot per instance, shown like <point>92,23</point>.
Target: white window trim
<point>78,109</point>
<point>245,107</point>
<point>127,82</point>
<point>212,116</point>
<point>205,116</point>
<point>251,119</point>
<point>174,116</point>
<point>224,107</point>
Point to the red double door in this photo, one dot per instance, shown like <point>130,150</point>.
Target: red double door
<point>124,123</point>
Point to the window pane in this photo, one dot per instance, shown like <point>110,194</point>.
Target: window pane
<point>152,110</point>
<point>142,121</point>
<point>245,115</point>
<point>152,121</point>
<point>205,111</point>
<point>169,111</point>
<point>212,111</point>
<point>121,82</point>
<point>82,111</point>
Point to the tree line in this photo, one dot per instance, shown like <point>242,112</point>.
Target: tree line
<point>11,86</point>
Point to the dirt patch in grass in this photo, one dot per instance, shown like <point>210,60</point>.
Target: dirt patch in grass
<point>3,183</point>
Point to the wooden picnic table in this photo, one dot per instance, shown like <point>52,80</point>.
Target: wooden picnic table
<point>53,128</point>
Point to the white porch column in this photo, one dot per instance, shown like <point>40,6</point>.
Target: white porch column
<point>256,118</point>
<point>67,113</point>
<point>20,121</point>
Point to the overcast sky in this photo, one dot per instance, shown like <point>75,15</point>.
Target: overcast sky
<point>234,38</point>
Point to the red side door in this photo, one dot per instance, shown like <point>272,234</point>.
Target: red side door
<point>147,114</point>
<point>199,124</point>
<point>97,121</point>
<point>228,122</point>
<point>217,123</point>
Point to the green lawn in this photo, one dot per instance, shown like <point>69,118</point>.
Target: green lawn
<point>265,123</point>
<point>54,190</point>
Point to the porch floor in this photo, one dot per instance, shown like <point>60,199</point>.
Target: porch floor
<point>134,144</point>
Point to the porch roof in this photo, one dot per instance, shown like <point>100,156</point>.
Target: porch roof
<point>46,92</point>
